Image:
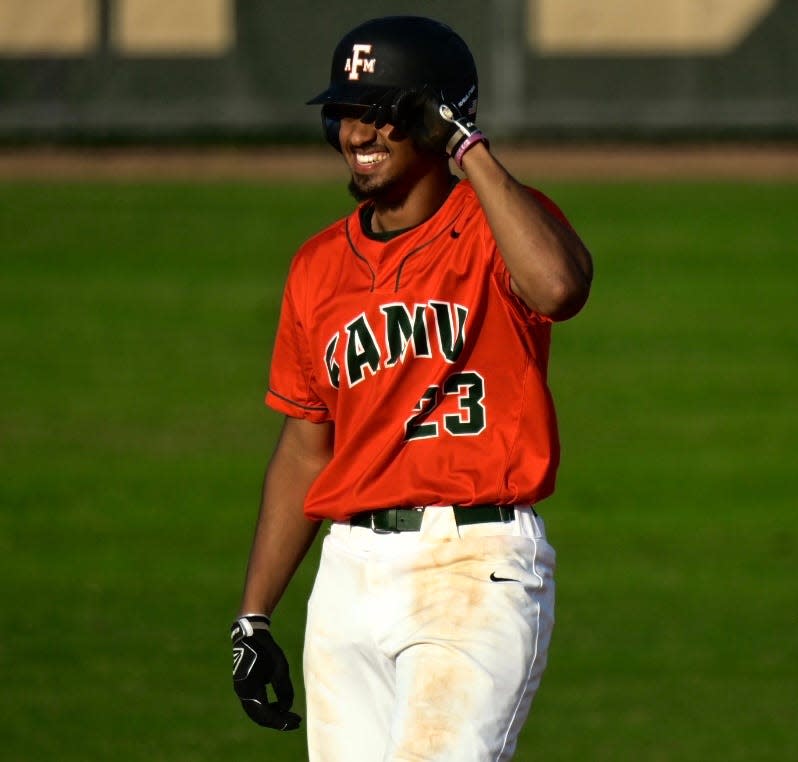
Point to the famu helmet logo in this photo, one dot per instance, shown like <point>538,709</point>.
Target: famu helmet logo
<point>355,64</point>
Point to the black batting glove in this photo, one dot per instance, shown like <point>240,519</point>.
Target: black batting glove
<point>396,107</point>
<point>441,127</point>
<point>257,662</point>
<point>433,124</point>
<point>383,111</point>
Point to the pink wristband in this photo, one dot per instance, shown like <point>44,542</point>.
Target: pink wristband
<point>469,142</point>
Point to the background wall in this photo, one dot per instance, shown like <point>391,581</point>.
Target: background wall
<point>93,69</point>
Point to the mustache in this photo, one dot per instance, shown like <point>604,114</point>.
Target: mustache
<point>372,145</point>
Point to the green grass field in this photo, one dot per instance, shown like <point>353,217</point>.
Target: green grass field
<point>136,331</point>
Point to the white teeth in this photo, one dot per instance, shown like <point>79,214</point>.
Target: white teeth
<point>370,158</point>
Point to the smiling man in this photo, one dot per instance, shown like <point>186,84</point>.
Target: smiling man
<point>410,365</point>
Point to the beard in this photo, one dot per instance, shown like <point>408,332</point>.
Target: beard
<point>365,188</point>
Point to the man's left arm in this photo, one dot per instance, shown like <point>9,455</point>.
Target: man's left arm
<point>550,268</point>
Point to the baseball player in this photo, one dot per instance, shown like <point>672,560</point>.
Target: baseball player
<point>410,365</point>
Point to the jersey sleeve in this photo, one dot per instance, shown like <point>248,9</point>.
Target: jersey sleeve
<point>550,207</point>
<point>292,386</point>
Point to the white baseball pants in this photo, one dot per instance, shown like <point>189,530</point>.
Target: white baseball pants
<point>427,646</point>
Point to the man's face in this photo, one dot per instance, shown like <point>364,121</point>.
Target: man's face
<point>384,162</point>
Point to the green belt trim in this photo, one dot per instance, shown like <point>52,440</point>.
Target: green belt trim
<point>409,519</point>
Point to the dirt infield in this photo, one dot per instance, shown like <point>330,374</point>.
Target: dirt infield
<point>550,162</point>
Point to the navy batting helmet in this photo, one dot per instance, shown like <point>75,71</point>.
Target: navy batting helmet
<point>398,53</point>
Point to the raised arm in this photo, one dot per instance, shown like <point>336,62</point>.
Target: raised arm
<point>550,268</point>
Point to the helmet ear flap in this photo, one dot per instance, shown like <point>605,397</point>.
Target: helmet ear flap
<point>331,128</point>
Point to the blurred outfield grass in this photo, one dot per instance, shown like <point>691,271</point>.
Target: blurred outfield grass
<point>136,330</point>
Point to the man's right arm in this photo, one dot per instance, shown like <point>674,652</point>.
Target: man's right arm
<point>282,538</point>
<point>283,535</point>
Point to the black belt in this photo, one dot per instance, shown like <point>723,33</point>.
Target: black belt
<point>409,519</point>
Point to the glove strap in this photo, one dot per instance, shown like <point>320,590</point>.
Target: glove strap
<point>465,136</point>
<point>245,625</point>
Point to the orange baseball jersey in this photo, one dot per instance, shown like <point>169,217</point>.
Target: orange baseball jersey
<point>431,369</point>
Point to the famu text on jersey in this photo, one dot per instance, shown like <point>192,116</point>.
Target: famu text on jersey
<point>357,346</point>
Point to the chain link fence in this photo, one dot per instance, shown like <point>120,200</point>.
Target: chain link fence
<point>241,69</point>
